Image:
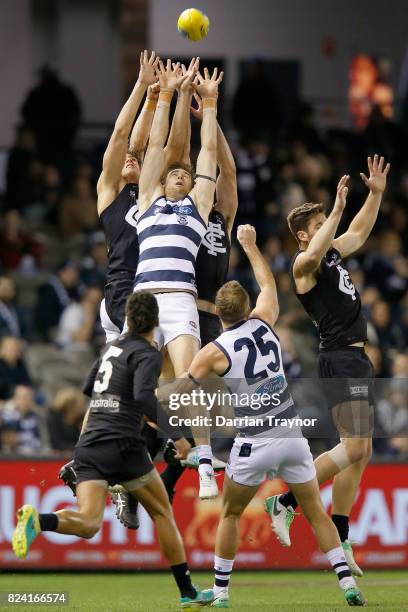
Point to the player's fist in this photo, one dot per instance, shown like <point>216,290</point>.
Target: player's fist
<point>342,191</point>
<point>377,180</point>
<point>246,235</point>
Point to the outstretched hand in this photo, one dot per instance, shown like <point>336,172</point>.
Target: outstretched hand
<point>377,180</point>
<point>207,86</point>
<point>188,75</point>
<point>342,191</point>
<point>168,75</point>
<point>148,65</point>
<point>197,112</point>
<point>153,92</point>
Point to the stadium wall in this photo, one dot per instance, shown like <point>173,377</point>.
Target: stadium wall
<point>379,526</point>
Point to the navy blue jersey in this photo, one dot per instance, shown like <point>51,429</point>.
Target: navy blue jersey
<point>119,224</point>
<point>334,304</point>
<point>213,258</point>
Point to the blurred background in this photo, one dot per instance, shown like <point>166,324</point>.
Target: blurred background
<point>309,91</point>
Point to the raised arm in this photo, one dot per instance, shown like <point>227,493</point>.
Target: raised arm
<point>362,224</point>
<point>309,260</point>
<point>204,189</point>
<point>153,165</point>
<point>180,127</point>
<point>115,153</point>
<point>267,305</point>
<point>141,129</point>
<point>226,186</point>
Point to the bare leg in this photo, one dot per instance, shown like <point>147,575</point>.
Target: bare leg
<point>154,499</point>
<point>346,482</point>
<point>235,498</point>
<point>86,521</point>
<point>308,497</point>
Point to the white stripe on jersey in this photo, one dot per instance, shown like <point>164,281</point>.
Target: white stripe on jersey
<point>167,241</point>
<point>165,263</point>
<point>163,219</point>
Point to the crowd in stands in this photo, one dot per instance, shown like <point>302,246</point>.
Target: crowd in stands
<point>53,259</point>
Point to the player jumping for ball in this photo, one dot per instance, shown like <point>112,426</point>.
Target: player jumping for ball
<point>248,355</point>
<point>323,286</point>
<point>173,219</point>
<point>111,449</point>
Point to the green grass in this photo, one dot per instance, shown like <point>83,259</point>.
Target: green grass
<point>287,591</point>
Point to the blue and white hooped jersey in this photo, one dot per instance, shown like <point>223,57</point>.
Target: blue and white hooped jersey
<point>170,234</point>
<point>255,369</point>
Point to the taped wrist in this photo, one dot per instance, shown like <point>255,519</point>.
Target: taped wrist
<point>165,96</point>
<point>209,103</point>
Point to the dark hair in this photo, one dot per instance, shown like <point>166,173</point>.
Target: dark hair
<point>298,218</point>
<point>142,312</point>
<point>179,166</point>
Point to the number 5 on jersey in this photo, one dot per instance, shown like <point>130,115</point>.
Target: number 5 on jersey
<point>106,369</point>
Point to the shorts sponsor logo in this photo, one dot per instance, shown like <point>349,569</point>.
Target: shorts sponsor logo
<point>359,390</point>
<point>193,324</point>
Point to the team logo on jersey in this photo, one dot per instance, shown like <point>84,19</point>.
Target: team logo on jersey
<point>212,239</point>
<point>345,283</point>
<point>334,260</point>
<point>182,219</point>
<point>182,210</point>
<point>274,385</point>
<point>131,215</point>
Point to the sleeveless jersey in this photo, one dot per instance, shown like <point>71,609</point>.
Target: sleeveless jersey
<point>256,369</point>
<point>119,224</point>
<point>213,258</point>
<point>170,234</point>
<point>334,304</point>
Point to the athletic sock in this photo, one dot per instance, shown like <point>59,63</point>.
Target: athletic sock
<point>48,522</point>
<point>182,577</point>
<point>222,574</point>
<point>342,525</point>
<point>339,564</point>
<point>204,453</point>
<point>288,499</point>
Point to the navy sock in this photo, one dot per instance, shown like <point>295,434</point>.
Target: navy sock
<point>342,525</point>
<point>48,522</point>
<point>288,499</point>
<point>182,576</point>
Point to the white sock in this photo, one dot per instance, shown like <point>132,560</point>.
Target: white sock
<point>222,573</point>
<point>339,564</point>
<point>205,456</point>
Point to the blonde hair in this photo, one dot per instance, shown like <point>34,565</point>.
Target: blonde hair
<point>232,302</point>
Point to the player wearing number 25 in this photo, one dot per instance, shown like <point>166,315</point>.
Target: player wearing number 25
<point>248,352</point>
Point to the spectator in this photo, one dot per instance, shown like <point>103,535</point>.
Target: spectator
<point>65,418</point>
<point>17,246</point>
<point>13,371</point>
<point>94,265</point>
<point>388,268</point>
<point>77,327</point>
<point>22,414</point>
<point>53,112</point>
<point>54,296</point>
<point>10,317</point>
<point>9,439</point>
<point>78,209</point>
<point>388,332</point>
<point>20,167</point>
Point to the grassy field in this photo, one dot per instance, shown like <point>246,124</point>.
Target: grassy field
<point>303,591</point>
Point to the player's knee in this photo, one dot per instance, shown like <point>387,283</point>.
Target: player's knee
<point>358,451</point>
<point>89,528</point>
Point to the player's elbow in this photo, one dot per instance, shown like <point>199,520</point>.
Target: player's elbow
<point>311,261</point>
<point>121,131</point>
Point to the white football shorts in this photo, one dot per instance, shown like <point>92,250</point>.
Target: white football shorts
<point>254,459</point>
